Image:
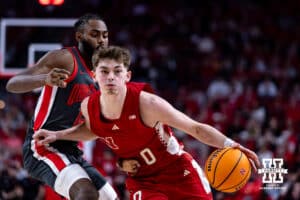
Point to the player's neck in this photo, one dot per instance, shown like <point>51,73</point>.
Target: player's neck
<point>87,57</point>
<point>112,105</point>
<point>87,60</point>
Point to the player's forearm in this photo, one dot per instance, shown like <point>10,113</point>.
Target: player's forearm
<point>76,133</point>
<point>210,135</point>
<point>25,83</point>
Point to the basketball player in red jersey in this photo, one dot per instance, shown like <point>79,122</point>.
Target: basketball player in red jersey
<point>66,78</point>
<point>134,123</point>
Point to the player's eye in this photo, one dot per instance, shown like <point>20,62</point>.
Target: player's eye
<point>104,72</point>
<point>105,35</point>
<point>118,71</point>
<point>94,34</point>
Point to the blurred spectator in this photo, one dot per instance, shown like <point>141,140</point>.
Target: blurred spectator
<point>267,88</point>
<point>218,89</point>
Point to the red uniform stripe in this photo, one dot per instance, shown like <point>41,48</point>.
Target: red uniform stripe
<point>75,70</point>
<point>42,113</point>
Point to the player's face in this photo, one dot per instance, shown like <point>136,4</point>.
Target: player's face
<point>112,76</point>
<point>95,35</point>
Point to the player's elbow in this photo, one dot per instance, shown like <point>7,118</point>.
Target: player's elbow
<point>14,85</point>
<point>10,86</point>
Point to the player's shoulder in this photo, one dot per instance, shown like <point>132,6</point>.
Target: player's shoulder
<point>84,105</point>
<point>93,97</point>
<point>89,102</point>
<point>59,54</point>
<point>85,101</point>
<point>60,58</point>
<point>140,86</point>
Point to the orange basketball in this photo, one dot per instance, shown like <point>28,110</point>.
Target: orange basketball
<point>228,169</point>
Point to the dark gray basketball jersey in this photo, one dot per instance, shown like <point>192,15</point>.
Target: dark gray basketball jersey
<point>59,108</point>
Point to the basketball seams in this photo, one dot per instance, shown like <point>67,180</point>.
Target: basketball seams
<point>245,178</point>
<point>228,175</point>
<point>229,164</point>
<point>213,181</point>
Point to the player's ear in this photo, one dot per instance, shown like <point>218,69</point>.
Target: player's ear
<point>128,75</point>
<point>78,36</point>
<point>94,75</point>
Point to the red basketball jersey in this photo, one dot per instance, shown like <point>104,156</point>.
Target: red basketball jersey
<point>128,136</point>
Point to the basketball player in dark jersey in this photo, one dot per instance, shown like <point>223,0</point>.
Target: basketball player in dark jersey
<point>66,79</point>
<point>134,124</point>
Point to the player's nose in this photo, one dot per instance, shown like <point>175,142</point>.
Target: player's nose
<point>111,75</point>
<point>100,41</point>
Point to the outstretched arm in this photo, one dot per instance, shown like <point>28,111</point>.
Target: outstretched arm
<point>52,69</point>
<point>164,112</point>
<point>79,132</point>
<point>75,133</point>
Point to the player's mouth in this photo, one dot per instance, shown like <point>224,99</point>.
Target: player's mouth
<point>100,46</point>
<point>110,85</point>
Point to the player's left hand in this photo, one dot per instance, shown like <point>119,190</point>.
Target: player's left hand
<point>129,166</point>
<point>250,154</point>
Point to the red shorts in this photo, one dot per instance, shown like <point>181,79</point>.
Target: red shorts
<point>184,180</point>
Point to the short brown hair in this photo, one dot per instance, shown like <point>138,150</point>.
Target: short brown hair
<point>112,52</point>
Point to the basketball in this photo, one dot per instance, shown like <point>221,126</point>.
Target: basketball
<point>227,170</point>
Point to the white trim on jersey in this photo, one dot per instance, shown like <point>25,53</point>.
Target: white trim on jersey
<point>173,147</point>
<point>49,107</point>
<point>202,176</point>
<point>163,136</point>
<point>39,103</point>
<point>49,162</point>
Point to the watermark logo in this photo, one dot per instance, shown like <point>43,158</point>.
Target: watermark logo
<point>272,172</point>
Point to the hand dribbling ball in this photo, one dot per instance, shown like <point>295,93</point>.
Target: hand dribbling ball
<point>227,169</point>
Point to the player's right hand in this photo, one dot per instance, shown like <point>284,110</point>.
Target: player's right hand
<point>44,137</point>
<point>253,158</point>
<point>57,77</point>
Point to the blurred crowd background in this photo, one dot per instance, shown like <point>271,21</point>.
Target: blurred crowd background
<point>233,64</point>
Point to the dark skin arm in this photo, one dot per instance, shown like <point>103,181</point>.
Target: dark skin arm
<point>52,69</point>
